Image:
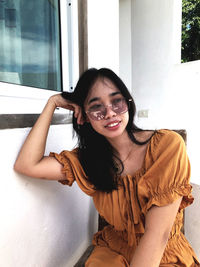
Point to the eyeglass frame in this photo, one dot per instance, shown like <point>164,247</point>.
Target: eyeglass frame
<point>110,105</point>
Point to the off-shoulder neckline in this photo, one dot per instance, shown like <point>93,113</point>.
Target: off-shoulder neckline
<point>141,170</point>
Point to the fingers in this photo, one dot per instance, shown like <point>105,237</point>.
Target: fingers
<point>80,118</point>
<point>76,110</point>
<point>58,101</point>
<point>66,104</point>
<point>78,115</point>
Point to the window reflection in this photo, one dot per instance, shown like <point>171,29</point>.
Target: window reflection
<point>30,43</point>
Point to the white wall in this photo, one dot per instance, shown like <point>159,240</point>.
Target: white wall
<point>161,85</point>
<point>43,223</point>
<point>125,42</point>
<point>182,108</point>
<point>103,34</point>
<point>154,45</point>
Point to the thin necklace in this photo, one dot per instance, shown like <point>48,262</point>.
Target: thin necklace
<point>129,153</point>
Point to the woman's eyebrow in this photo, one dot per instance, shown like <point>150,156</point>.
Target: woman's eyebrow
<point>93,99</point>
<point>115,93</point>
<point>98,98</point>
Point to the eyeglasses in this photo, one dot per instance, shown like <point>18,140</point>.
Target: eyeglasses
<point>98,111</point>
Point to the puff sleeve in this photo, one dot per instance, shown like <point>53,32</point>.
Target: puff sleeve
<point>167,179</point>
<point>73,170</point>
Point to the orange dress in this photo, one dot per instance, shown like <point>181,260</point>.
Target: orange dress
<point>163,178</point>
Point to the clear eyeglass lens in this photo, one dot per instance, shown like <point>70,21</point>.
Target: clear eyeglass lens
<point>99,112</point>
<point>119,105</point>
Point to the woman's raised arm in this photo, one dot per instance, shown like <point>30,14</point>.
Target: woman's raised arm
<point>31,160</point>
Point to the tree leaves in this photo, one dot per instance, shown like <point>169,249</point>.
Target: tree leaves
<point>190,30</point>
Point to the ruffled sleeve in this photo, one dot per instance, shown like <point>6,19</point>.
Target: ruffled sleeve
<point>73,170</point>
<point>167,179</point>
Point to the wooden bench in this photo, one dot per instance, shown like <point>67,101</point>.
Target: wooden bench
<point>102,222</point>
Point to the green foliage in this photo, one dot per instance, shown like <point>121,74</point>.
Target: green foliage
<point>190,30</point>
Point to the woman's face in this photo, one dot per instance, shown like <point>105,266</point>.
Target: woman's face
<point>104,93</point>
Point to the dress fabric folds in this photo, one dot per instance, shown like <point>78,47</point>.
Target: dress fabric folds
<point>163,178</point>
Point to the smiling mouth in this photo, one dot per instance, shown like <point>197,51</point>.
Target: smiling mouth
<point>113,124</point>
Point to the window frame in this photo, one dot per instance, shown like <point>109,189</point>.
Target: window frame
<point>68,57</point>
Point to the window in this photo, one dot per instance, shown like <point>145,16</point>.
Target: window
<point>30,43</point>
<point>190,30</point>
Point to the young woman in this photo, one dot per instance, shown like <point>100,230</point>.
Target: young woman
<point>139,180</point>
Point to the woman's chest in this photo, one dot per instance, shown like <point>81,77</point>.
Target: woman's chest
<point>135,162</point>
<point>120,206</point>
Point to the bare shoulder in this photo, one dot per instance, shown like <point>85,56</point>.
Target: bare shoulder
<point>142,136</point>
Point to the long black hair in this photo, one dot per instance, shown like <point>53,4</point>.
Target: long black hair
<point>100,163</point>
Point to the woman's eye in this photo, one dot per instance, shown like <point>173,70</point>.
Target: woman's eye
<point>117,100</point>
<point>95,107</point>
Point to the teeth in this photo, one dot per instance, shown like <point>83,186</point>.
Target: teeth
<point>113,124</point>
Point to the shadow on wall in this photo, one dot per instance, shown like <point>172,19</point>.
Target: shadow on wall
<point>71,219</point>
<point>61,222</point>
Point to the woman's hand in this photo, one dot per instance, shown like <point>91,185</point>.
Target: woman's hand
<point>61,102</point>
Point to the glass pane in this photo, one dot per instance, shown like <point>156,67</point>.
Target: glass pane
<point>30,43</point>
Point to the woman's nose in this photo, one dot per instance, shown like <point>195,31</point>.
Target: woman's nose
<point>109,112</point>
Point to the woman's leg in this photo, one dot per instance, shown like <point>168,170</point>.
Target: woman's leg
<point>104,257</point>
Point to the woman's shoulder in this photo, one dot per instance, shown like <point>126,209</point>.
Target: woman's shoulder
<point>167,141</point>
<point>144,135</point>
<point>168,136</point>
<point>160,140</point>
<point>163,137</point>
